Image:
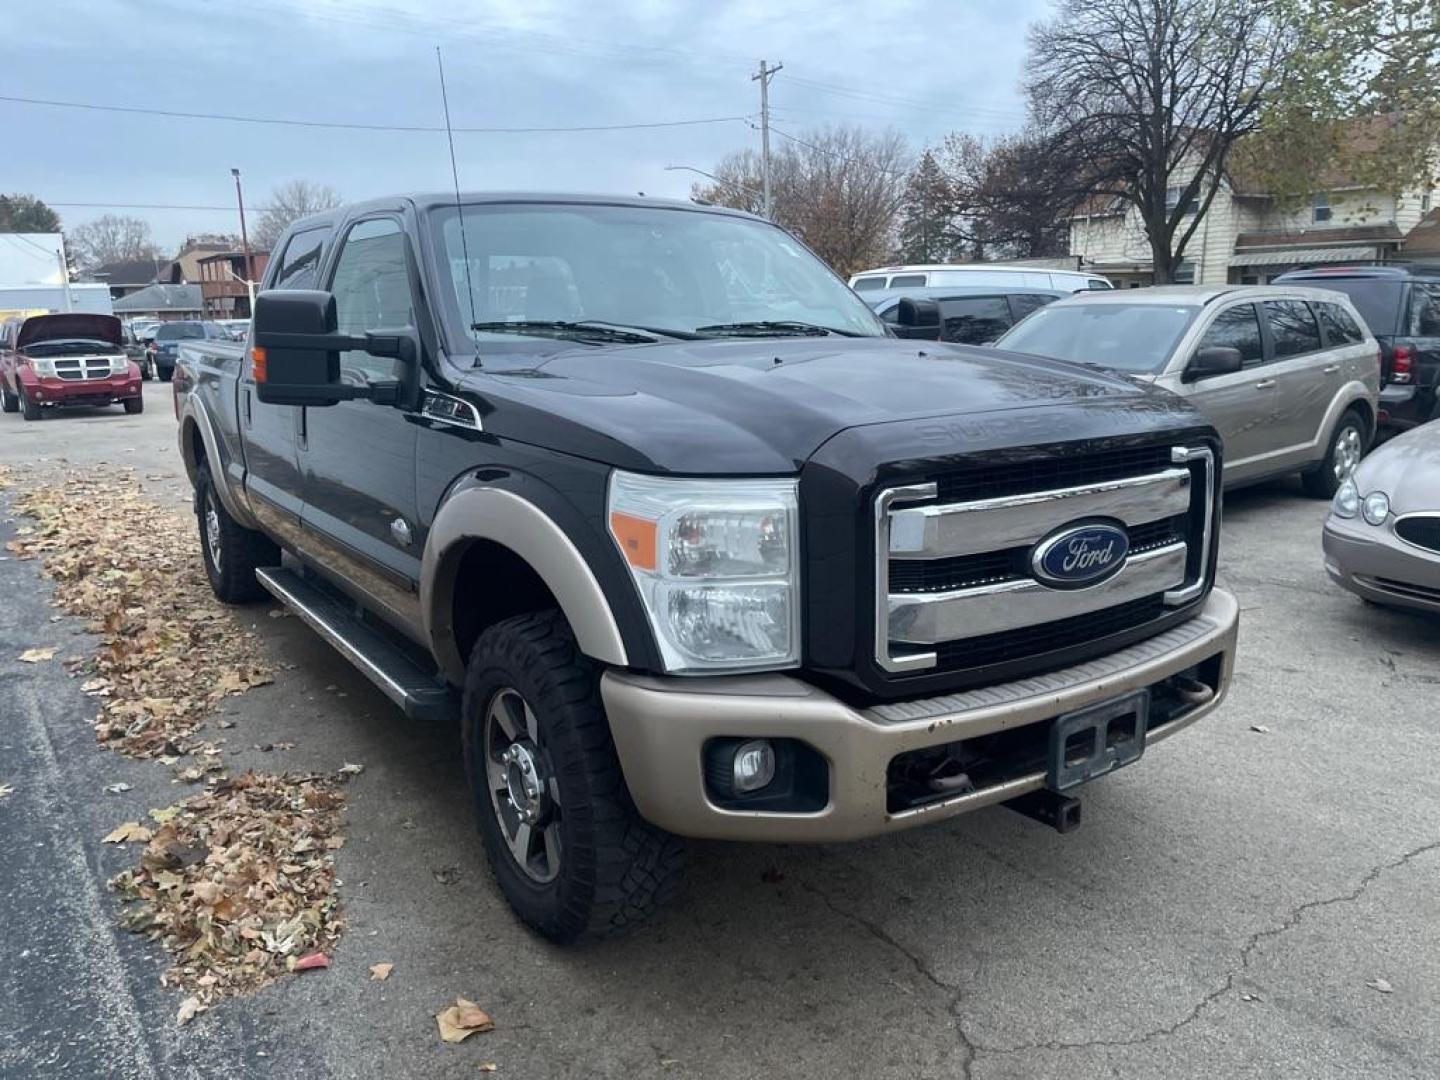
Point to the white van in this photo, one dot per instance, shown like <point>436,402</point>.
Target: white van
<point>913,277</point>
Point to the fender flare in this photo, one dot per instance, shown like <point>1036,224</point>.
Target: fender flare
<point>195,417</point>
<point>1351,394</point>
<point>515,523</point>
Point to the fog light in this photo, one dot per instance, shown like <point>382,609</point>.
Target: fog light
<point>754,765</point>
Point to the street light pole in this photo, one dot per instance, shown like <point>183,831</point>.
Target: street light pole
<point>244,237</point>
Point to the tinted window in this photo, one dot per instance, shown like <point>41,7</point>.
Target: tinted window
<point>179,331</point>
<point>974,320</point>
<point>1236,328</point>
<point>1377,299</point>
<point>1126,337</point>
<point>1292,327</point>
<point>300,265</point>
<point>1024,303</point>
<point>891,314</point>
<point>1340,328</point>
<point>1424,319</point>
<point>372,290</point>
<point>868,284</point>
<point>907,281</point>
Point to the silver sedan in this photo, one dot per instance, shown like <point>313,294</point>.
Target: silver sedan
<point>1382,539</point>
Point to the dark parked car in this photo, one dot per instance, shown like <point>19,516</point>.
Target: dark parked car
<point>967,315</point>
<point>1401,305</point>
<point>169,336</point>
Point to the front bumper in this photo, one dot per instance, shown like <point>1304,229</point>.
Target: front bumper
<point>1372,562</point>
<point>660,726</point>
<point>68,392</point>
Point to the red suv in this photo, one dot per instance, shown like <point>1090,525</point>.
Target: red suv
<point>72,358</point>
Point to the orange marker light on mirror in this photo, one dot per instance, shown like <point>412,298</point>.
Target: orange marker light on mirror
<point>637,539</point>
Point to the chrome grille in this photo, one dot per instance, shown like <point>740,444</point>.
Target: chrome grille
<point>80,368</point>
<point>953,578</point>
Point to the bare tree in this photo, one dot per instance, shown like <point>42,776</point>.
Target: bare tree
<point>840,188</point>
<point>1009,197</point>
<point>1146,99</point>
<point>287,203</point>
<point>109,239</point>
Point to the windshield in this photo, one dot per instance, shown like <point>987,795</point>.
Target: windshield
<point>182,331</point>
<point>660,270</point>
<point>1138,338</point>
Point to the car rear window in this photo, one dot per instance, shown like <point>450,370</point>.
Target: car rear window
<point>1340,328</point>
<point>974,320</point>
<point>184,331</point>
<point>1377,299</point>
<point>907,281</point>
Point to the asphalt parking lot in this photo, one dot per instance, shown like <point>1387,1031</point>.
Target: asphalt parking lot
<point>1256,898</point>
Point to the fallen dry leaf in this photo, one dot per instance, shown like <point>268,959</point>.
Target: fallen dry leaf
<point>188,1008</point>
<point>6,789</point>
<point>126,833</point>
<point>487,1066</point>
<point>36,656</point>
<point>380,972</point>
<point>307,963</point>
<point>461,1020</point>
<point>117,789</point>
<point>1382,985</point>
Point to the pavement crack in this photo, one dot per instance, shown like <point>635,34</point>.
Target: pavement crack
<point>1253,942</point>
<point>954,994</point>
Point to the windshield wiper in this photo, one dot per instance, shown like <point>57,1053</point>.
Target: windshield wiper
<point>593,330</point>
<point>776,328</point>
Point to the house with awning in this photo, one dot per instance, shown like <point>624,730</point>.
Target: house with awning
<point>1249,236</point>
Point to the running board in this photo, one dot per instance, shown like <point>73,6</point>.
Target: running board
<point>421,696</point>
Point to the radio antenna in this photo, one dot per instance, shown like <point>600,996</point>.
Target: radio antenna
<point>455,178</point>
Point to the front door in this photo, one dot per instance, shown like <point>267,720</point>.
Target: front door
<point>358,458</point>
<point>1238,404</point>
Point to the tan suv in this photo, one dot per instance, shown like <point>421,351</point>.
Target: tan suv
<point>1290,376</point>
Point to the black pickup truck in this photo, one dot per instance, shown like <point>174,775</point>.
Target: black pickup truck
<point>690,543</point>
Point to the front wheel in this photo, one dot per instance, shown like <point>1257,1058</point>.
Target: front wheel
<point>8,401</point>
<point>1342,456</point>
<point>231,553</point>
<point>569,850</point>
<point>31,409</point>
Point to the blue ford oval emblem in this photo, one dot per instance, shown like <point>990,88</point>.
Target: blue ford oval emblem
<point>1080,555</point>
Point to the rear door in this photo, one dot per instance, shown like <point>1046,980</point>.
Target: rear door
<point>1238,404</point>
<point>358,458</point>
<point>270,431</point>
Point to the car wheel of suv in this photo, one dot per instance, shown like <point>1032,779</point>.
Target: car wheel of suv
<point>1347,447</point>
<point>30,408</point>
<point>231,553</point>
<point>166,374</point>
<point>568,848</point>
<point>134,405</point>
<point>8,401</point>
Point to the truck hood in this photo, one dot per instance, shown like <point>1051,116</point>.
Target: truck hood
<point>69,326</point>
<point>746,406</point>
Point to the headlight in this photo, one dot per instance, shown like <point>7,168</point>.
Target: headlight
<point>119,365</point>
<point>1347,500</point>
<point>1376,508</point>
<point>715,562</point>
<point>44,368</point>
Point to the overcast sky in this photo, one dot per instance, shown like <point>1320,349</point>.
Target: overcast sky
<point>926,67</point>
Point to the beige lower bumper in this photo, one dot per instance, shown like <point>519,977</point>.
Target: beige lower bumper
<point>661,724</point>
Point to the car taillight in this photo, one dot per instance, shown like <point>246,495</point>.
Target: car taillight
<point>1402,364</point>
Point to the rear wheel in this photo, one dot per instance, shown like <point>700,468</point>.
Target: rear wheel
<point>1347,447</point>
<point>8,401</point>
<point>166,374</point>
<point>231,553</point>
<point>134,405</point>
<point>568,848</point>
<point>30,408</point>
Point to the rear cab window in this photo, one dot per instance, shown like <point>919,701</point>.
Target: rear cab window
<point>1293,328</point>
<point>299,265</point>
<point>974,320</point>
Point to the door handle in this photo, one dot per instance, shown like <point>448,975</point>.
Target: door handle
<point>1265,384</point>
<point>1330,369</point>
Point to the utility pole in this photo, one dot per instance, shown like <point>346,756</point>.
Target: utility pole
<point>64,274</point>
<point>244,237</point>
<point>763,77</point>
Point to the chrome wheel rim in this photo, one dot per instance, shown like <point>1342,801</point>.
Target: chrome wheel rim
<point>1347,453</point>
<point>523,792</point>
<point>212,529</point>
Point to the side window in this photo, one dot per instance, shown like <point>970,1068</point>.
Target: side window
<point>1292,327</point>
<point>1340,328</point>
<point>1024,303</point>
<point>869,284</point>
<point>371,284</point>
<point>891,315</point>
<point>907,281</point>
<point>300,264</point>
<point>1236,327</point>
<point>974,320</point>
<point>1424,317</point>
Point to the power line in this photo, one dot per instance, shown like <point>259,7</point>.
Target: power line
<point>345,126</point>
<point>903,102</point>
<point>143,206</point>
<point>12,237</point>
<point>898,173</point>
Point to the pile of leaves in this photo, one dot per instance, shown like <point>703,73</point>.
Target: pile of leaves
<point>237,883</point>
<point>169,650</point>
<point>7,477</point>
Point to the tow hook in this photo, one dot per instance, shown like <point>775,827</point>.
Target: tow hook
<point>1060,812</point>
